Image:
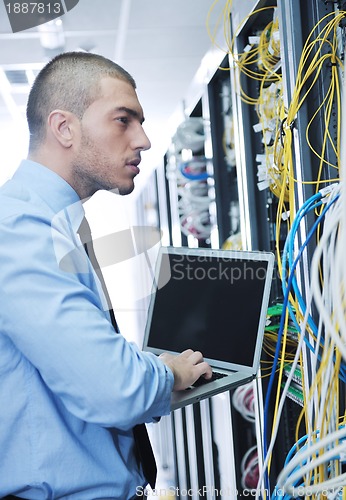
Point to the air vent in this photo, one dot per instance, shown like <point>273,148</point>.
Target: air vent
<point>17,77</point>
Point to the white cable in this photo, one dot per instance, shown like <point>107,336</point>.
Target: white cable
<point>312,449</point>
<point>287,481</point>
<point>316,287</point>
<point>285,391</point>
<point>325,304</point>
<point>238,400</point>
<point>249,468</point>
<point>283,398</point>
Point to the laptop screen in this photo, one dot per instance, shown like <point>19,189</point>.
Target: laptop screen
<point>212,302</point>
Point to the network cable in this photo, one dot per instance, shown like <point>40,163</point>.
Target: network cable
<point>283,322</point>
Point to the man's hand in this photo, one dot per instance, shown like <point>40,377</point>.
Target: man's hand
<point>187,367</point>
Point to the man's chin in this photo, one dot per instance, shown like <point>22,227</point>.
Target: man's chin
<point>123,190</point>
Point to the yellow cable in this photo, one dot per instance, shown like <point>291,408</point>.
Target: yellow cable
<point>259,63</point>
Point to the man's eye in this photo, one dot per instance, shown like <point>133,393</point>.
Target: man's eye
<point>123,119</point>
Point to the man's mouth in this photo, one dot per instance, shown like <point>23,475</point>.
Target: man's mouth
<point>133,165</point>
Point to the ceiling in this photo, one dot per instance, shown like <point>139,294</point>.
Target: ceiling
<point>160,42</point>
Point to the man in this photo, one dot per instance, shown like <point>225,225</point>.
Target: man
<point>72,388</point>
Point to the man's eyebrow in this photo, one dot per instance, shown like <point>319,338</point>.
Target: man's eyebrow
<point>131,112</point>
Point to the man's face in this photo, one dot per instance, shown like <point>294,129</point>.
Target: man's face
<point>111,141</point>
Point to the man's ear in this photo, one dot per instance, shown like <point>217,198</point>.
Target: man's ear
<point>62,125</point>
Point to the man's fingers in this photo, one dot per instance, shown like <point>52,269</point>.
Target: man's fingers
<point>187,367</point>
<point>205,370</point>
<point>201,367</point>
<point>196,357</point>
<point>187,353</point>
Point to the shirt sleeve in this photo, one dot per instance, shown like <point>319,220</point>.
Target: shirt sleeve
<point>56,320</point>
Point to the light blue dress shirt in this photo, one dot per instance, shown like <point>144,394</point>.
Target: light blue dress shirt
<point>71,389</point>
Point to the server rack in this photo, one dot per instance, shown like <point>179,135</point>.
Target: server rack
<point>237,185</point>
<point>224,163</point>
<point>206,435</point>
<point>297,20</point>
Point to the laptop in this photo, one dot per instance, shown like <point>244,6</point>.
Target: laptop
<point>213,301</point>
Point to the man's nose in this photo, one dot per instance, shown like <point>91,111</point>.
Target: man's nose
<point>141,140</point>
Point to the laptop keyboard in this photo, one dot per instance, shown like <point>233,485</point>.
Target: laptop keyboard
<point>202,380</point>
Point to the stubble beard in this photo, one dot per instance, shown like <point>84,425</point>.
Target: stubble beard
<point>85,170</point>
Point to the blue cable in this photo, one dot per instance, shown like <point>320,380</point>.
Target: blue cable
<point>280,332</point>
<point>281,328</point>
<point>276,495</point>
<point>310,205</point>
<point>193,177</point>
<point>302,212</point>
<point>291,259</point>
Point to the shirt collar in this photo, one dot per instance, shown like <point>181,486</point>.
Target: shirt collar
<point>52,189</point>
